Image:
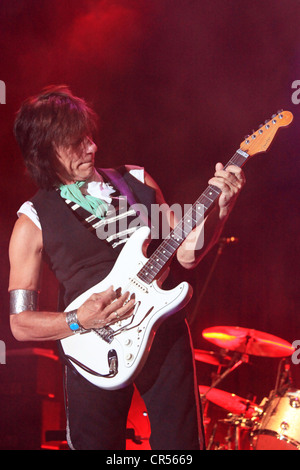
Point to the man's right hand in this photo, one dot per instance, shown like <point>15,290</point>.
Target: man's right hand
<point>104,309</point>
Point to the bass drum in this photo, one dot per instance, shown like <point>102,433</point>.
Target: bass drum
<point>279,426</point>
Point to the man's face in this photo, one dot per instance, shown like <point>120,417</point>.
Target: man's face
<point>76,165</point>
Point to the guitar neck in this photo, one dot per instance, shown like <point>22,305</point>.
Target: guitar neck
<point>191,219</point>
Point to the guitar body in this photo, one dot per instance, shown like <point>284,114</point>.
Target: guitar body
<point>132,338</point>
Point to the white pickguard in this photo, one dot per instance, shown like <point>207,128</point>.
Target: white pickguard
<point>133,336</point>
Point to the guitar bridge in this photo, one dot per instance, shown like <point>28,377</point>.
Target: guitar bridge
<point>106,333</point>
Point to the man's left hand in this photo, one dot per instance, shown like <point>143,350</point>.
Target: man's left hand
<point>230,181</point>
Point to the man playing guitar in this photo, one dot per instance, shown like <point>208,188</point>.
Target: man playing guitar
<point>55,133</point>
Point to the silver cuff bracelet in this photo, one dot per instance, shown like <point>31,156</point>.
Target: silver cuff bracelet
<point>22,299</point>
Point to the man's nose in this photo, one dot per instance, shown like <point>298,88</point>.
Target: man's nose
<point>90,145</point>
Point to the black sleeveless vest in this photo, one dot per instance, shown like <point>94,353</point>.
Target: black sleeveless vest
<point>78,258</point>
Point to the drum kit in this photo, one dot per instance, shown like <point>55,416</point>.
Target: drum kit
<point>274,424</point>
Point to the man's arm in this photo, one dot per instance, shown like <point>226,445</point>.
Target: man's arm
<point>25,254</point>
<point>208,232</point>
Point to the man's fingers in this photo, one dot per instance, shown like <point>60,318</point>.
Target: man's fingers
<point>230,179</point>
<point>123,304</point>
<point>219,166</point>
<point>106,296</point>
<point>106,308</point>
<point>120,312</point>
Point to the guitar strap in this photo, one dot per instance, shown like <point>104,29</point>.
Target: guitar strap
<point>122,186</point>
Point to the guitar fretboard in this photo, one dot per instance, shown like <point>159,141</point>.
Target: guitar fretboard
<point>191,219</point>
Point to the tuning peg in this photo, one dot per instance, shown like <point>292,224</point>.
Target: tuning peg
<point>274,116</point>
<point>266,121</point>
<point>260,126</point>
<point>280,115</point>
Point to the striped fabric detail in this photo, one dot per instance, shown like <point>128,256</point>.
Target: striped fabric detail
<point>118,225</point>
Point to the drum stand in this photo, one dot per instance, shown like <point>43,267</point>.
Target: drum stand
<point>236,362</point>
<point>234,421</point>
<point>235,424</point>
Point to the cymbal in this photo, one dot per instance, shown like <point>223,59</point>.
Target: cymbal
<point>229,401</point>
<point>211,357</point>
<point>248,341</point>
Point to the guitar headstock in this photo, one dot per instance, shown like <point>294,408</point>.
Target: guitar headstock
<point>260,140</point>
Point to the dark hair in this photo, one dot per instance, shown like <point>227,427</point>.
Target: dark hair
<point>53,118</point>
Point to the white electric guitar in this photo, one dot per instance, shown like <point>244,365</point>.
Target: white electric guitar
<point>112,356</point>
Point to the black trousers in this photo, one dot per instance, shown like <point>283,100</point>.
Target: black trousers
<point>97,418</point>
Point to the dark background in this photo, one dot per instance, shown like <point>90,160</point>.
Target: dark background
<point>177,86</point>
